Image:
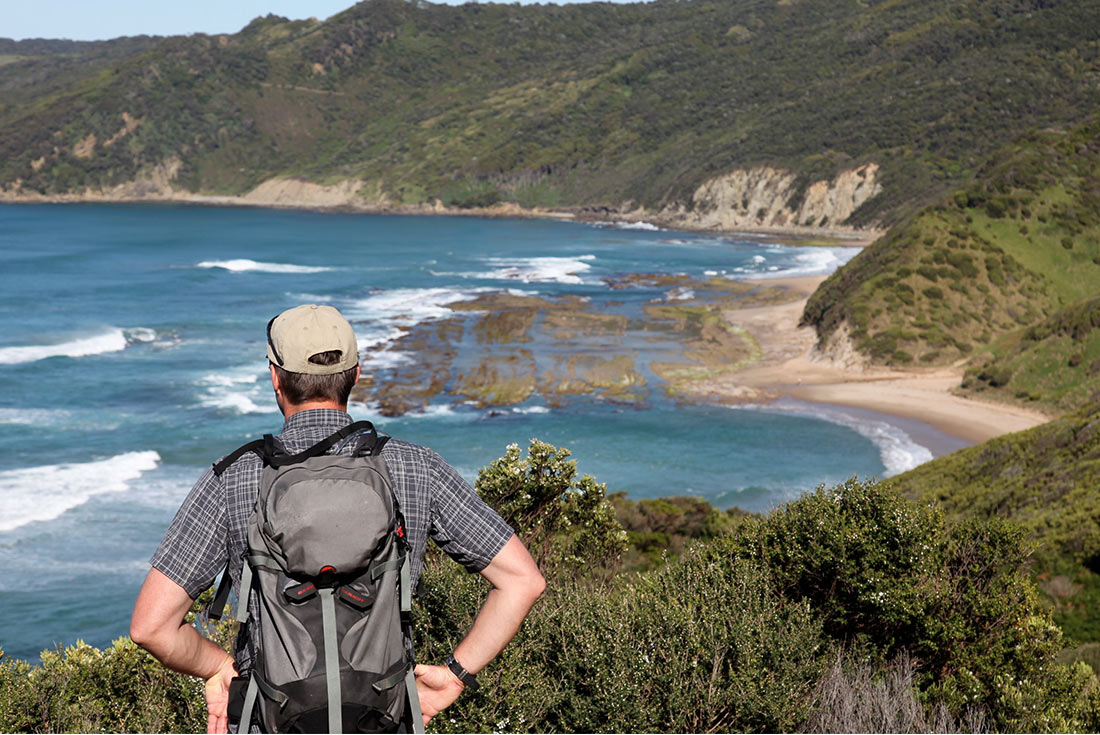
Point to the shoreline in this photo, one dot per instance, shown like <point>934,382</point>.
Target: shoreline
<point>319,202</point>
<point>790,368</point>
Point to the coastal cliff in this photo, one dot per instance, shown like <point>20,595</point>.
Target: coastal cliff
<point>769,198</point>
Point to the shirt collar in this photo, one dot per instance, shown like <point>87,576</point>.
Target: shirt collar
<point>309,427</point>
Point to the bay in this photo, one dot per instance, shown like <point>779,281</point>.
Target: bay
<point>132,355</point>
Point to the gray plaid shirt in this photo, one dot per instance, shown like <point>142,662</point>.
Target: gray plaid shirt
<point>211,527</point>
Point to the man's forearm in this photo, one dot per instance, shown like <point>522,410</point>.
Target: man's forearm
<point>158,626</point>
<point>496,624</point>
<point>186,651</point>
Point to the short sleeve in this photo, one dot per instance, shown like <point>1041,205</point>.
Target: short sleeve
<point>194,548</point>
<point>463,524</point>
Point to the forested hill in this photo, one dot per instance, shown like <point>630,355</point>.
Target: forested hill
<point>569,106</point>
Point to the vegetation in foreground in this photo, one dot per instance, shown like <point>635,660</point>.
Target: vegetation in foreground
<point>1045,481</point>
<point>850,605</point>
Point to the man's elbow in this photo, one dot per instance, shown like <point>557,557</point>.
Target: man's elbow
<point>142,633</point>
<point>536,585</point>
<point>148,634</point>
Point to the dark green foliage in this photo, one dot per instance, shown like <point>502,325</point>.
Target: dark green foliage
<point>887,575</point>
<point>1044,479</point>
<point>591,105</point>
<point>629,655</point>
<point>565,520</point>
<point>659,527</point>
<point>84,689</point>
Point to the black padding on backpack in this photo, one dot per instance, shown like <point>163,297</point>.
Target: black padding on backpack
<point>281,460</point>
<point>368,715</point>
<point>252,446</point>
<point>221,596</point>
<point>267,450</point>
<point>357,718</point>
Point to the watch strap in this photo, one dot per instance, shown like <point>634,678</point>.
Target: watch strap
<point>468,680</point>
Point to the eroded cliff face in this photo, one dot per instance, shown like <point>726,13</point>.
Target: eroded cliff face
<point>761,197</point>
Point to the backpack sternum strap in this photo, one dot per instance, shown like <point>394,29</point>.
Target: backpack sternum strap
<point>332,660</point>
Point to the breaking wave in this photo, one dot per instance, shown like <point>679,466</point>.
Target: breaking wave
<point>244,265</point>
<point>44,493</point>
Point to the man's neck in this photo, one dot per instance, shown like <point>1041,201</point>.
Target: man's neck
<point>291,409</point>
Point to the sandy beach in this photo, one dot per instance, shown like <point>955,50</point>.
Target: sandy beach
<point>790,367</point>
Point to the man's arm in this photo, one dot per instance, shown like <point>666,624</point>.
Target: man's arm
<point>158,626</point>
<point>517,583</point>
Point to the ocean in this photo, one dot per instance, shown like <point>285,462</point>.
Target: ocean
<point>132,354</point>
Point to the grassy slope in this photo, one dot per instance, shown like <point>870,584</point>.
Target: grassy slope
<point>1020,242</point>
<point>1046,479</point>
<point>1055,363</point>
<point>570,105</point>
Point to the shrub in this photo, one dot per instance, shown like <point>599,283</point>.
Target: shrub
<point>630,655</point>
<point>887,576</point>
<point>84,689</point>
<point>565,520</point>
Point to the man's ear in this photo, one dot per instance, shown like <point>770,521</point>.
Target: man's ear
<point>358,371</point>
<point>274,378</point>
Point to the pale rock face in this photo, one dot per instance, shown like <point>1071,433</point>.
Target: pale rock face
<point>297,192</point>
<point>758,198</point>
<point>837,351</point>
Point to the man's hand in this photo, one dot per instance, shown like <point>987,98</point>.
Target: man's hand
<point>437,688</point>
<point>217,697</point>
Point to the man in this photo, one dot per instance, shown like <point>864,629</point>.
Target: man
<point>314,363</point>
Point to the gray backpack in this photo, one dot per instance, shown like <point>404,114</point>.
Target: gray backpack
<point>328,564</point>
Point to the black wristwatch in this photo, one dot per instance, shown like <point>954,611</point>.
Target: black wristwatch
<point>468,680</point>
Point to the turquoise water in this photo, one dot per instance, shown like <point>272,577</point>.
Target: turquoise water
<point>132,355</point>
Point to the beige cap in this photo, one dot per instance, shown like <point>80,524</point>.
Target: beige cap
<point>300,333</point>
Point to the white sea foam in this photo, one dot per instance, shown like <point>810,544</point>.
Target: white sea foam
<point>140,334</point>
<point>810,261</point>
<point>33,416</point>
<point>240,390</point>
<point>371,412</point>
<point>680,294</point>
<point>646,226</point>
<point>897,449</point>
<point>44,493</point>
<point>384,359</point>
<point>243,265</point>
<point>113,340</point>
<point>547,269</point>
<point>531,409</point>
<point>408,306</point>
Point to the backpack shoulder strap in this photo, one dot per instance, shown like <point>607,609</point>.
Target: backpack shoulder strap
<point>256,446</point>
<point>267,450</point>
<point>327,443</point>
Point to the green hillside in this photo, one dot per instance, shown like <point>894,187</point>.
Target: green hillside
<point>597,105</point>
<point>1055,364</point>
<point>1045,479</point>
<point>1018,243</point>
